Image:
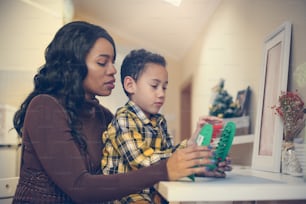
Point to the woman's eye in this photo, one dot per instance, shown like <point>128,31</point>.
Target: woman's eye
<point>102,64</point>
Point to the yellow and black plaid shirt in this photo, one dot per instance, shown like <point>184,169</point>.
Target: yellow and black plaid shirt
<point>133,141</point>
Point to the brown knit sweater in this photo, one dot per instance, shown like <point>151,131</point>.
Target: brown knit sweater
<point>54,171</point>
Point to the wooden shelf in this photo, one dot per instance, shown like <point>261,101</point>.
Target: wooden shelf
<point>242,139</point>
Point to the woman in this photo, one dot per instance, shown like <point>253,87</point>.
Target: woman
<point>61,123</point>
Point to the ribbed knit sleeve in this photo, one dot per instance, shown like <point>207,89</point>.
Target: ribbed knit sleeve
<point>55,152</point>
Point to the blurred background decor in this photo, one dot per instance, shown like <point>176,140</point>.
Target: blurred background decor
<point>291,111</point>
<point>225,107</point>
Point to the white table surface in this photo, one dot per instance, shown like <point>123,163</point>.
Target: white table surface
<point>242,184</point>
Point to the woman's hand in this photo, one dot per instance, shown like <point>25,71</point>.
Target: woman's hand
<point>201,122</point>
<point>188,161</point>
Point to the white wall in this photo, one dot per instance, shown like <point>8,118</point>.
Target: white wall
<point>231,47</point>
<point>26,30</point>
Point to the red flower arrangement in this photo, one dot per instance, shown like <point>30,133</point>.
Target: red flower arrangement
<point>291,111</point>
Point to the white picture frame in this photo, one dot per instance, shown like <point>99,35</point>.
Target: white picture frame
<point>268,134</point>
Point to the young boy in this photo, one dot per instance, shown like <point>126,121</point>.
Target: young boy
<point>138,136</point>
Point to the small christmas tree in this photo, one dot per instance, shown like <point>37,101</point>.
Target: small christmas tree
<point>223,105</point>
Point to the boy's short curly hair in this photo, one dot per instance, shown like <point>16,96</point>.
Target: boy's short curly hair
<point>135,63</point>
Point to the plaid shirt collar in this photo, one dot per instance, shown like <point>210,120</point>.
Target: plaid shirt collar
<point>154,119</point>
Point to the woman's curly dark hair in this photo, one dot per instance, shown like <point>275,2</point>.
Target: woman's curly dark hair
<point>63,73</point>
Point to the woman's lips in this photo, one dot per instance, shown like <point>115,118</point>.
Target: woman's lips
<point>110,84</point>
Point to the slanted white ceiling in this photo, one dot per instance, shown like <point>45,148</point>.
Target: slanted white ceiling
<point>153,24</point>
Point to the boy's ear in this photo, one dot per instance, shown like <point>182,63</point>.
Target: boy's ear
<point>129,85</point>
